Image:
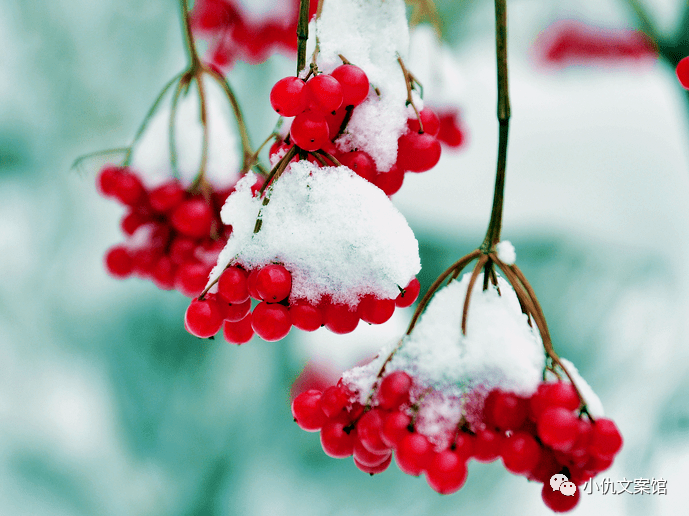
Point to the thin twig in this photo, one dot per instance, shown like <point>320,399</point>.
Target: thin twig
<point>408,82</point>
<point>302,34</point>
<point>483,260</point>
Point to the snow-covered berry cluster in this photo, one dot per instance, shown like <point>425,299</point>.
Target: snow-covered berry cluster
<point>173,237</point>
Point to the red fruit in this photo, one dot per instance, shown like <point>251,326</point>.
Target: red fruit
<point>334,121</point>
<point>411,292</point>
<point>128,188</point>
<point>417,152</point>
<point>273,283</point>
<point>450,132</point>
<point>553,394</point>
<point>325,93</point>
<point>372,470</point>
<point>191,278</point>
<point>166,197</point>
<point>446,472</point>
<point>395,427</point>
<point>430,121</point>
<point>193,218</point>
<point>413,454</point>
<point>233,286</point>
<point>487,445</point>
<point>237,311</point>
<point>368,458</point>
<point>375,311</point>
<point>182,250</point>
<point>119,262</point>
<point>394,390</point>
<point>391,181</point>
<point>463,444</point>
<point>335,398</point>
<point>682,72</point>
<point>288,97</point>
<point>203,317</point>
<point>558,502</point>
<point>547,466</point>
<point>163,273</point>
<point>504,410</point>
<point>309,131</point>
<point>520,453</point>
<point>145,260</point>
<point>558,428</point>
<point>271,321</point>
<point>306,409</point>
<point>369,428</point>
<point>335,440</point>
<point>361,163</point>
<point>305,316</point>
<point>251,284</point>
<point>107,180</point>
<point>339,318</point>
<point>606,440</point>
<point>238,332</point>
<point>354,84</point>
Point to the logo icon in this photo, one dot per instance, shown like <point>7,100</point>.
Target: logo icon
<point>560,482</point>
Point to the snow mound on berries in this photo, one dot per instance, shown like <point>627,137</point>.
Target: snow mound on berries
<point>593,402</point>
<point>506,252</point>
<point>334,231</point>
<point>371,34</point>
<point>151,156</point>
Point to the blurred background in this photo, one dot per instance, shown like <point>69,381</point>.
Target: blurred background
<point>109,407</point>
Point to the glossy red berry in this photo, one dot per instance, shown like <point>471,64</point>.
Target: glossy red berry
<point>369,428</point>
<point>166,197</point>
<point>372,470</point>
<point>369,458</point>
<point>119,262</point>
<point>487,445</point>
<point>557,501</point>
<point>191,278</point>
<point>306,316</point>
<point>446,472</point>
<point>355,84</point>
<point>107,180</point>
<point>288,97</point>
<point>413,454</point>
<point>520,453</point>
<point>410,294</point>
<point>394,390</point>
<point>335,398</point>
<point>273,283</point>
<point>391,181</point>
<point>504,410</point>
<point>374,310</point>
<point>271,321</point>
<point>430,121</point>
<point>233,286</point>
<point>238,332</point>
<point>193,218</point>
<point>606,440</point>
<point>338,438</point>
<point>395,426</point>
<point>309,131</point>
<point>203,318</point>
<point>682,72</point>
<point>237,311</point>
<point>361,163</point>
<point>339,318</point>
<point>129,189</point>
<point>417,152</point>
<point>558,428</point>
<point>306,410</point>
<point>325,93</point>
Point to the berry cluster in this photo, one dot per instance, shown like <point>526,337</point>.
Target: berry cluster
<point>274,315</point>
<point>322,106</point>
<point>173,236</point>
<point>536,437</point>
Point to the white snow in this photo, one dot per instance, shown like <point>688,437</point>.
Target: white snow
<point>593,403</point>
<point>151,154</point>
<point>334,231</point>
<point>506,252</point>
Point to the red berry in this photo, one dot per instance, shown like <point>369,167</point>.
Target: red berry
<point>133,221</point>
<point>288,97</point>
<point>430,121</point>
<point>237,311</point>
<point>335,398</point>
<point>361,163</point>
<point>273,283</point>
<point>682,72</point>
<point>166,197</point>
<point>395,427</point>
<point>238,332</point>
<point>487,445</point>
<point>271,321</point>
<point>193,218</point>
<point>354,82</point>
<point>369,429</point>
<point>547,466</point>
<point>463,444</point>
<point>119,262</point>
<point>606,440</point>
<point>251,284</point>
<point>413,454</point>
<point>182,250</point>
<point>334,121</point>
<point>504,410</point>
<point>450,132</point>
<point>232,285</point>
<point>203,318</point>
<point>107,180</point>
<point>558,428</point>
<point>163,273</point>
<point>306,409</point>
<point>325,93</point>
<point>553,394</point>
<point>191,278</point>
<point>411,292</point>
<point>446,472</point>
<point>339,318</point>
<point>306,316</point>
<point>520,453</point>
<point>338,438</point>
<point>368,458</point>
<point>128,188</point>
<point>309,131</point>
<point>417,152</point>
<point>556,501</point>
<point>394,390</point>
<point>375,311</point>
<point>391,181</point>
<point>372,470</point>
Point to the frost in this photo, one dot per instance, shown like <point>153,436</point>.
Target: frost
<point>371,34</point>
<point>334,231</point>
<point>151,155</point>
<point>506,252</point>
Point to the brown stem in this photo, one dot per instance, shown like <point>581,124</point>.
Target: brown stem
<point>332,158</point>
<point>408,82</point>
<point>495,224</point>
<point>483,260</point>
<point>302,34</point>
<point>194,60</point>
<point>280,166</point>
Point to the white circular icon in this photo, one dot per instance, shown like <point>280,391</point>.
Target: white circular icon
<point>560,482</point>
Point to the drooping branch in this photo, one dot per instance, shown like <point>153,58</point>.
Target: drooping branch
<point>302,34</point>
